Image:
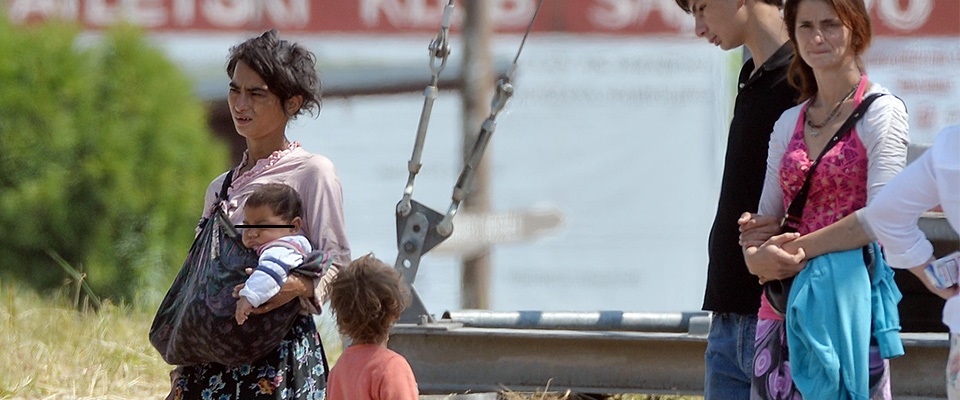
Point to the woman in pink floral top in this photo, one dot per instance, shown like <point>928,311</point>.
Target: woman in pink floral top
<point>829,36</point>
<point>273,81</point>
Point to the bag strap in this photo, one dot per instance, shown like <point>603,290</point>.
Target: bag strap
<point>225,223</point>
<point>227,180</point>
<point>791,220</point>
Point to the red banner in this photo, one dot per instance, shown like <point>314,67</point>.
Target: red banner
<point>621,17</point>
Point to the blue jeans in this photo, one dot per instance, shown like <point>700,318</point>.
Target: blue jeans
<point>729,356</point>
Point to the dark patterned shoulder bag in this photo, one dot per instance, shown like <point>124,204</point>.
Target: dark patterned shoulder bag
<point>778,291</point>
<point>195,322</point>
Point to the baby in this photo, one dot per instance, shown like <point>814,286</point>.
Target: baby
<point>271,226</point>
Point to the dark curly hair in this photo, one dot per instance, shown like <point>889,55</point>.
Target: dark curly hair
<point>288,68</point>
<point>282,200</point>
<point>368,297</point>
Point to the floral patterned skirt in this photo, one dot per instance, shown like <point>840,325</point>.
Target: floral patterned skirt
<point>294,371</point>
<point>771,367</point>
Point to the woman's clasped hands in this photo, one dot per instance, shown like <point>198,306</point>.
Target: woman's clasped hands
<point>769,254</point>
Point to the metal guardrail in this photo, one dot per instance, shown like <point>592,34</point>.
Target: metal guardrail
<point>944,238</point>
<point>624,352</point>
<point>454,357</point>
<point>694,323</point>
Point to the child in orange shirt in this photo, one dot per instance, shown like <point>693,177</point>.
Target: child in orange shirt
<point>368,297</point>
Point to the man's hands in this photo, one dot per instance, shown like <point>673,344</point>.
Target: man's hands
<point>756,229</point>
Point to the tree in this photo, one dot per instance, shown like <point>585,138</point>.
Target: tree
<point>105,154</point>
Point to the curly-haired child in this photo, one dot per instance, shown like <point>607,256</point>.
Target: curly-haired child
<point>368,298</point>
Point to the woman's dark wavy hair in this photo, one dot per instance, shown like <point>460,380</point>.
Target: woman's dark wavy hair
<point>853,14</point>
<point>288,68</point>
<point>368,297</point>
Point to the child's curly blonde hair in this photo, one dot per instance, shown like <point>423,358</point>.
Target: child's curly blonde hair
<point>368,297</point>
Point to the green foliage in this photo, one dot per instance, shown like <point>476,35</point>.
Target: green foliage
<point>105,154</point>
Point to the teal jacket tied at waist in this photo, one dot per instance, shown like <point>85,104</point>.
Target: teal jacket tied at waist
<point>833,307</point>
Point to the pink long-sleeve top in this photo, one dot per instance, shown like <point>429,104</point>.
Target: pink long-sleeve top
<point>313,176</point>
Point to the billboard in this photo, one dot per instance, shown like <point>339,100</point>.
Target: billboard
<point>621,17</point>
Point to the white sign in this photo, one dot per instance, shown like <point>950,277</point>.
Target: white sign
<point>474,232</point>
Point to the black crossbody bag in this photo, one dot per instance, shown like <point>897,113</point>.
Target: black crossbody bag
<point>195,322</point>
<point>777,291</point>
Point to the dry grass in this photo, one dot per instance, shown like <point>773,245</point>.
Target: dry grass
<point>52,351</point>
<point>574,396</point>
<point>654,397</point>
<point>546,394</point>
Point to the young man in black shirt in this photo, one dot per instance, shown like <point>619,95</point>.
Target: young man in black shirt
<point>732,294</point>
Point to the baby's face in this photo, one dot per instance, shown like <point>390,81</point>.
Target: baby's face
<point>263,215</point>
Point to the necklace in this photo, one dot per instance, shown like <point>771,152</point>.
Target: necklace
<point>815,128</point>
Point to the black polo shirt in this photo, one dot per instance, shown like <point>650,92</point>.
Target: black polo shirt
<point>760,101</point>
